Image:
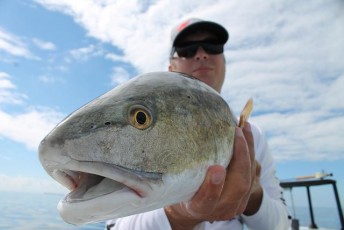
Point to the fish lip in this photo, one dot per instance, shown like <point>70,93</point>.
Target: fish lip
<point>75,176</point>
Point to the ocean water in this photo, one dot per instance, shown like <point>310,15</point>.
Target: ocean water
<point>24,211</point>
<point>324,217</point>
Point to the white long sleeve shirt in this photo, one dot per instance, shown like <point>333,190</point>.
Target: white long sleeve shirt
<point>272,214</point>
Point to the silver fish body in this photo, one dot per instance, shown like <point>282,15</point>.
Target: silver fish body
<point>141,146</point>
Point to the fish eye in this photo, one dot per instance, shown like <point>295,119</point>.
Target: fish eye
<point>140,118</point>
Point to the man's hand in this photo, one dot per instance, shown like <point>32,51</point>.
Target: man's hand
<point>225,193</point>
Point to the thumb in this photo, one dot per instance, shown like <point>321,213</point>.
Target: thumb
<point>207,196</point>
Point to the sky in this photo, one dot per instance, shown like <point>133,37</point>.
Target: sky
<point>57,55</point>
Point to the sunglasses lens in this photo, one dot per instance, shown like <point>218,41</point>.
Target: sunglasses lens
<point>191,50</point>
<point>187,51</point>
<point>212,48</point>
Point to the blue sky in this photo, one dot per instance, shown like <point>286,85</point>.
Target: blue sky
<point>57,55</point>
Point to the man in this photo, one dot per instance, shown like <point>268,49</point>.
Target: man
<point>247,192</point>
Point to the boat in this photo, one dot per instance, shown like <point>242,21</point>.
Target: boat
<point>318,179</point>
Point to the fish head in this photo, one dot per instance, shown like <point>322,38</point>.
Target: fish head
<point>143,145</point>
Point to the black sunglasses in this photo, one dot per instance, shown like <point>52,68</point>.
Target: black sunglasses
<point>190,50</point>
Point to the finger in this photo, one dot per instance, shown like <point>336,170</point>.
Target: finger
<point>238,179</point>
<point>250,143</point>
<point>241,159</point>
<point>249,140</point>
<point>207,196</point>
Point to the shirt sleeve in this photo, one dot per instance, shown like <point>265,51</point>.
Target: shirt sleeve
<point>153,220</point>
<point>273,212</point>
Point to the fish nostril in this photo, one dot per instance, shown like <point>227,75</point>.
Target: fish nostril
<point>107,123</point>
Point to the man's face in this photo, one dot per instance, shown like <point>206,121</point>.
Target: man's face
<point>209,68</point>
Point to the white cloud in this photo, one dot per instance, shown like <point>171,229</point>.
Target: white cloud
<point>114,57</point>
<point>119,76</point>
<point>8,94</point>
<point>50,79</point>
<point>287,55</point>
<point>5,83</point>
<point>44,45</point>
<point>29,127</point>
<point>29,184</point>
<point>311,135</point>
<point>13,45</point>
<point>84,53</point>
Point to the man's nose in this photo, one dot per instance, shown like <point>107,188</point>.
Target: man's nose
<point>201,54</point>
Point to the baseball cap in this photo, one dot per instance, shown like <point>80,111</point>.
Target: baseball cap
<point>195,24</point>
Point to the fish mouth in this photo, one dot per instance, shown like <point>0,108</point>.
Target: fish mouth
<point>85,185</point>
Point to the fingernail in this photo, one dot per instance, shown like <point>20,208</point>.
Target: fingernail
<point>218,177</point>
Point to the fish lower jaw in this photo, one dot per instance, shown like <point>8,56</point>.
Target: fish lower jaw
<point>87,186</point>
